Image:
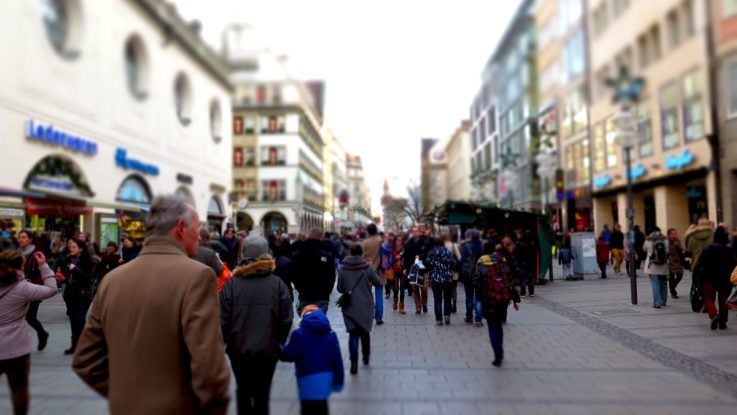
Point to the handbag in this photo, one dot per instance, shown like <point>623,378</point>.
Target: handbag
<point>697,298</point>
<point>345,299</point>
<point>731,302</point>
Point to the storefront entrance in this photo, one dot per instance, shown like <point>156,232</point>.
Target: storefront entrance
<point>274,223</point>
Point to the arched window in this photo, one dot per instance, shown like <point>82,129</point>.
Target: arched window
<point>62,22</point>
<point>185,194</point>
<point>216,121</point>
<point>134,190</point>
<point>136,67</point>
<point>183,99</point>
<point>214,207</point>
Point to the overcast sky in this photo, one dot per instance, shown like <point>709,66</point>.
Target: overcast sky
<point>396,70</point>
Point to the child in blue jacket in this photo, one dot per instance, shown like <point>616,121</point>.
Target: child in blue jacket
<point>315,351</point>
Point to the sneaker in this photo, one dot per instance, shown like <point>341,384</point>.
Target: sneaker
<point>354,368</point>
<point>447,320</point>
<point>479,324</point>
<point>722,326</point>
<point>379,322</point>
<point>418,312</point>
<point>424,309</point>
<point>497,362</point>
<point>532,295</point>
<point>439,323</point>
<point>43,339</point>
<point>656,306</point>
<point>468,320</point>
<point>523,295</point>
<point>386,297</point>
<point>674,296</point>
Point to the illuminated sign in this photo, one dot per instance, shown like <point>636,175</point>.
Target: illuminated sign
<point>122,160</point>
<point>679,161</point>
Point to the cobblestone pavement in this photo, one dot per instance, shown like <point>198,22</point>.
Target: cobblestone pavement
<point>578,348</point>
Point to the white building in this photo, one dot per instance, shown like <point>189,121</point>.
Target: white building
<point>338,171</point>
<point>278,143</point>
<point>103,105</point>
<point>359,203</point>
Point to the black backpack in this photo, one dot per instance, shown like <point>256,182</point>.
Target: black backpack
<point>469,264</point>
<point>660,253</point>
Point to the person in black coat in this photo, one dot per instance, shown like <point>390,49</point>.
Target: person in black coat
<point>280,249</point>
<point>639,246</point>
<point>78,271</point>
<point>314,272</point>
<point>715,266</point>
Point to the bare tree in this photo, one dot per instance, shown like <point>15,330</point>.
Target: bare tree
<point>414,207</point>
<point>395,215</point>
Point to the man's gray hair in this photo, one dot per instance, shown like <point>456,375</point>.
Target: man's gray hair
<point>165,212</point>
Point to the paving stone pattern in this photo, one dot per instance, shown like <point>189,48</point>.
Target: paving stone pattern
<point>561,358</point>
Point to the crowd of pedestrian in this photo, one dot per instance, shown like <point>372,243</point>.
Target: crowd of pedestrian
<point>240,293</point>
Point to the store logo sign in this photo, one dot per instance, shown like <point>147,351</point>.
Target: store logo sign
<point>122,160</point>
<point>637,171</point>
<point>680,161</point>
<point>49,135</point>
<point>602,181</point>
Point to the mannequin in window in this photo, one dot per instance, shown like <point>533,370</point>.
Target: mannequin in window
<point>273,156</point>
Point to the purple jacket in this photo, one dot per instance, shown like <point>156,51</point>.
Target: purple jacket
<point>14,338</point>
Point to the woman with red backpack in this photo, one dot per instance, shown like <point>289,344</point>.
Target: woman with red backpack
<point>492,283</point>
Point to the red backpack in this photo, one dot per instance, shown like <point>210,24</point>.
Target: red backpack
<point>497,288</point>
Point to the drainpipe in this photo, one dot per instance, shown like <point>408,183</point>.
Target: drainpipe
<point>713,138</point>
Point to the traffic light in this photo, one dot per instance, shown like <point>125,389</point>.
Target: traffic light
<point>560,191</point>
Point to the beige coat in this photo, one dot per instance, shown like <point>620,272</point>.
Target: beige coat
<point>152,343</point>
<point>372,251</point>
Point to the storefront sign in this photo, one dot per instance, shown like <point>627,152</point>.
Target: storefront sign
<point>49,135</point>
<point>11,213</point>
<point>602,181</point>
<point>122,160</point>
<point>58,175</point>
<point>679,161</point>
<point>637,171</point>
<point>184,178</point>
<point>59,208</point>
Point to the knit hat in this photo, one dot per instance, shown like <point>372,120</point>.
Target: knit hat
<point>309,309</point>
<point>254,246</point>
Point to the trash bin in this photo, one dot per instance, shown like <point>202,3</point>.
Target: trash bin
<point>583,245</point>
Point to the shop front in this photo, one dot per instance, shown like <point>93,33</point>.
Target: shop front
<point>134,192</point>
<point>215,215</point>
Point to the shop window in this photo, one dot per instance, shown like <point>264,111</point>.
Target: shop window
<point>669,116</point>
<point>731,83</point>
<point>134,190</point>
<point>644,128</point>
<point>273,156</point>
<point>693,106</point>
<point>216,122</point>
<point>274,190</point>
<point>237,125</point>
<point>574,117</point>
<point>62,23</point>
<point>250,189</point>
<point>214,207</point>
<point>136,65</point>
<point>611,147</point>
<point>183,99</point>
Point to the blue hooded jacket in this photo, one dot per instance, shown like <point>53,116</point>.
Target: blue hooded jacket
<point>315,350</point>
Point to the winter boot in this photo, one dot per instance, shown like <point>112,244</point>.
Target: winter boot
<point>401,309</point>
<point>395,304</point>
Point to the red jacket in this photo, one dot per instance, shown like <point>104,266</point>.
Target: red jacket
<point>602,252</point>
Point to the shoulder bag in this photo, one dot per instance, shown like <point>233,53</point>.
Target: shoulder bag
<point>345,299</point>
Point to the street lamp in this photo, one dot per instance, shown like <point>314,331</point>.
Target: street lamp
<point>626,92</point>
<point>547,162</point>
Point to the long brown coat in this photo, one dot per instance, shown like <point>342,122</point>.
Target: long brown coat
<point>152,343</point>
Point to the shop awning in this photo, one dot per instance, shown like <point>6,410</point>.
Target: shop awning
<point>21,194</point>
<point>125,207</point>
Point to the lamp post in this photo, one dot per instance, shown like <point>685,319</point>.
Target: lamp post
<point>626,92</point>
<point>547,161</point>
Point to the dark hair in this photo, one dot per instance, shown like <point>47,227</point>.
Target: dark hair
<point>489,248</point>
<point>438,242</point>
<point>84,256</point>
<point>28,233</point>
<point>720,236</point>
<point>356,250</point>
<point>113,244</point>
<point>11,261</point>
<point>372,229</point>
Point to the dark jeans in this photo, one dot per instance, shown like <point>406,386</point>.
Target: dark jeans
<point>472,304</point>
<point>314,408</point>
<point>525,278</point>
<point>401,284</point>
<point>354,336</point>
<point>441,293</point>
<point>32,317</point>
<point>17,371</point>
<point>77,312</point>
<point>673,280</point>
<point>253,376</point>
<point>710,301</point>
<point>602,267</point>
<point>494,321</point>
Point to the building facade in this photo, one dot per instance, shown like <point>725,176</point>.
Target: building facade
<point>724,78</point>
<point>666,42</point>
<point>105,105</point>
<point>563,121</point>
<point>458,152</point>
<point>278,153</point>
<point>508,99</point>
<point>359,202</point>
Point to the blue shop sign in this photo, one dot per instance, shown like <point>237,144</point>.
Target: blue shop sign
<point>602,181</point>
<point>52,136</point>
<point>122,160</point>
<point>637,171</point>
<point>680,161</point>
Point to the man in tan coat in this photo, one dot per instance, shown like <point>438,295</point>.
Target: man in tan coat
<point>152,343</point>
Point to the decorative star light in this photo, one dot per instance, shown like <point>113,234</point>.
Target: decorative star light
<point>626,88</point>
<point>509,159</point>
